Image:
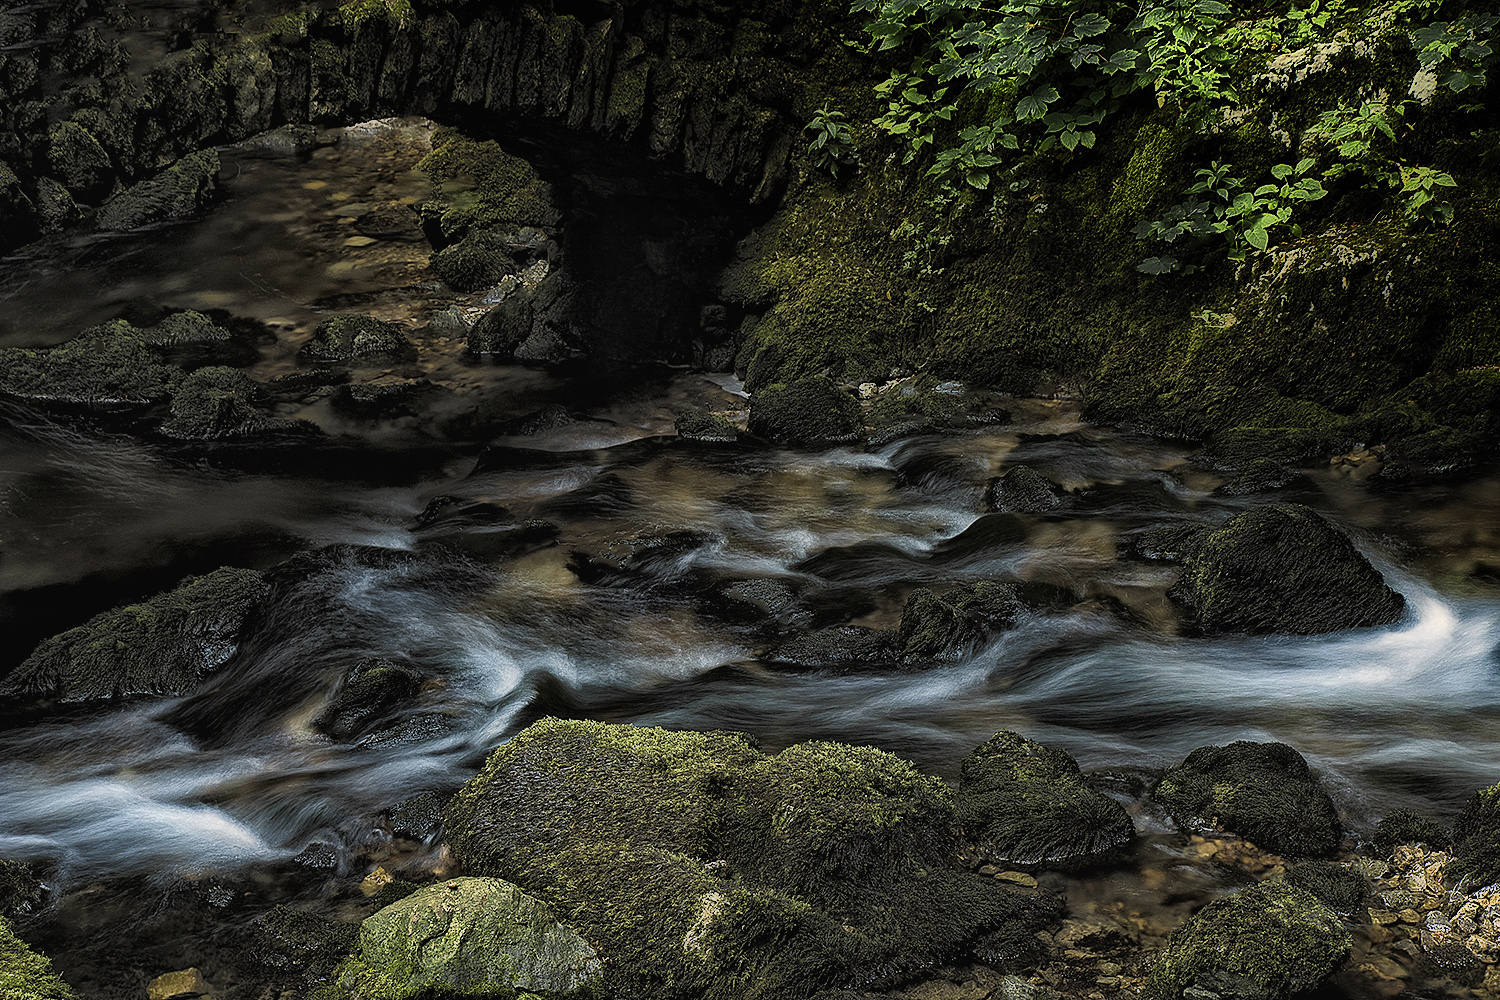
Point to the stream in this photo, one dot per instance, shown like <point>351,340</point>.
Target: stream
<point>507,621</point>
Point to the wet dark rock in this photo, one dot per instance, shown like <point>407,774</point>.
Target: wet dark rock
<point>411,732</point>
<point>1169,543</point>
<point>1023,490</point>
<point>1341,889</point>
<point>475,263</point>
<point>1452,961</point>
<point>821,866</point>
<point>18,213</point>
<point>107,366</point>
<point>318,856</point>
<point>1259,476</point>
<point>373,689</point>
<point>812,411</point>
<point>1476,838</point>
<point>457,512</point>
<point>948,627</point>
<point>417,816</point>
<point>1024,804</point>
<point>1403,826</point>
<point>479,937</point>
<point>713,428</point>
<point>291,939</point>
<point>21,891</point>
<point>55,207</point>
<point>845,647</point>
<point>396,222</point>
<point>176,193</point>
<point>1283,569</point>
<point>164,645</point>
<point>552,417</point>
<point>607,496</point>
<point>1271,940</point>
<point>886,432</point>
<point>1263,792</point>
<point>504,328</point>
<point>758,599</point>
<point>345,338</point>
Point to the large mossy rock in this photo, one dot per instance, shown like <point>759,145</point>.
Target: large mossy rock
<point>1021,803</point>
<point>1283,569</point>
<point>704,868</point>
<point>471,937</point>
<point>25,975</point>
<point>175,193</point>
<point>471,264</point>
<point>810,411</point>
<point>1476,838</point>
<point>163,645</point>
<point>1263,792</point>
<point>1023,490</point>
<point>107,366</point>
<point>947,627</point>
<point>1268,942</point>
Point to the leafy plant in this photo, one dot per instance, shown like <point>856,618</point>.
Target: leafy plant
<point>1462,46</point>
<point>1367,143</point>
<point>1246,216</point>
<point>832,144</point>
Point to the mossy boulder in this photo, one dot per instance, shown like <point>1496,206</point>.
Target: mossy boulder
<point>1403,826</point>
<point>1024,804</point>
<point>185,328</point>
<point>175,193</point>
<point>373,688</point>
<point>813,411</point>
<point>472,264</point>
<point>1263,792</point>
<point>1284,569</point>
<point>1476,838</point>
<point>20,890</point>
<point>1023,490</point>
<point>107,366</point>
<point>164,645</point>
<point>479,187</point>
<point>1268,942</point>
<point>350,337</point>
<point>713,428</point>
<point>76,158</point>
<point>701,867</point>
<point>474,937</point>
<point>214,403</point>
<point>25,975</point>
<point>504,328</point>
<point>949,626</point>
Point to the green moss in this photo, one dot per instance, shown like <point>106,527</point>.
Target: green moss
<point>110,364</point>
<point>163,645</point>
<point>175,193</point>
<point>479,186</point>
<point>699,426</point>
<point>1403,826</point>
<point>215,402</point>
<point>471,264</point>
<point>948,627</point>
<point>1341,889</point>
<point>349,337</point>
<point>1476,838</point>
<point>1021,803</point>
<point>1263,792</point>
<point>25,975</point>
<point>704,868</point>
<point>1271,939</point>
<point>357,13</point>
<point>77,159</point>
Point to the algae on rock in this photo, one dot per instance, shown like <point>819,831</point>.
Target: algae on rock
<point>25,975</point>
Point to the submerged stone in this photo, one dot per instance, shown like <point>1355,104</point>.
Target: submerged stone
<point>20,890</point>
<point>811,411</point>
<point>371,691</point>
<point>217,402</point>
<point>504,328</point>
<point>841,646</point>
<point>1263,792</point>
<point>701,866</point>
<point>474,937</point>
<point>164,645</point>
<point>708,427</point>
<point>1021,803</point>
<point>1283,569</point>
<point>1268,942</point>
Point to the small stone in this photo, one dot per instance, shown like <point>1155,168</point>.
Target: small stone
<point>187,983</point>
<point>375,881</point>
<point>315,185</point>
<point>868,390</point>
<point>1409,916</point>
<point>1108,969</point>
<point>359,241</point>
<point>1019,878</point>
<point>1383,917</point>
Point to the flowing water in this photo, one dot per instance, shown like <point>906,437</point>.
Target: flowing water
<point>505,620</point>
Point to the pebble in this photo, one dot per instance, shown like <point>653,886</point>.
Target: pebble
<point>187,983</point>
<point>359,241</point>
<point>1019,878</point>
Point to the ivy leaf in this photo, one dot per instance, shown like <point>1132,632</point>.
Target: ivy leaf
<point>1070,140</point>
<point>1281,171</point>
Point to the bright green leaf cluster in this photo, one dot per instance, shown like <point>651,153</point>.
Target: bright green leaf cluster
<point>832,144</point>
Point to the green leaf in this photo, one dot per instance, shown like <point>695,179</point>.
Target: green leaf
<point>1281,171</point>
<point>1070,140</point>
<point>1257,238</point>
